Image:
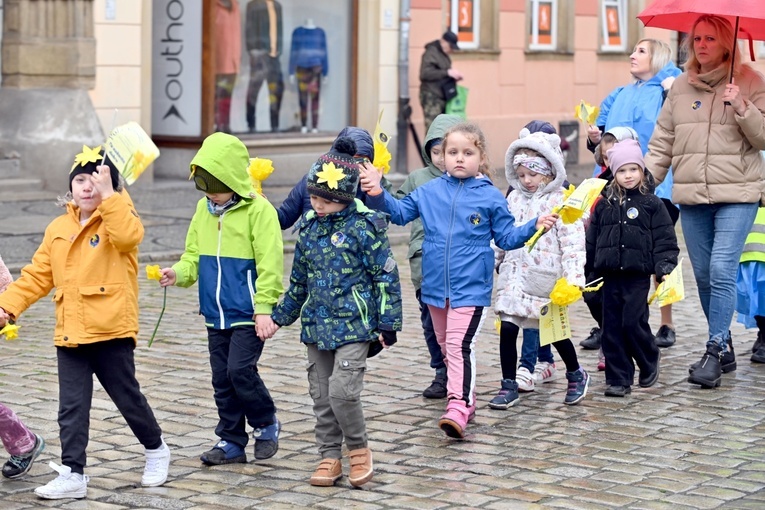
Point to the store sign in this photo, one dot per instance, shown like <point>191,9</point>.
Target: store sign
<point>177,68</point>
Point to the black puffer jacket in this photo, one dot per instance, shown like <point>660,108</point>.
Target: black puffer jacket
<point>636,236</point>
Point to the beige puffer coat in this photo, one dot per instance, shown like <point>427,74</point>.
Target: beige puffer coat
<point>714,153</point>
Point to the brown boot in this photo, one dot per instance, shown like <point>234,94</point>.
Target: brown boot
<point>361,466</point>
<point>328,472</point>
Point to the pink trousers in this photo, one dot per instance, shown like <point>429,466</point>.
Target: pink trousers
<point>456,329</point>
<point>17,438</point>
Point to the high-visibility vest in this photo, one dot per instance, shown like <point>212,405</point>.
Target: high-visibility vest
<point>754,247</point>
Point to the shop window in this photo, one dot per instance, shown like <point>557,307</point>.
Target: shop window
<point>613,21</point>
<point>268,66</point>
<point>475,22</point>
<point>543,33</point>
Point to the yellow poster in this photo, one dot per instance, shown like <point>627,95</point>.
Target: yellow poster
<point>131,150</point>
<point>553,323</point>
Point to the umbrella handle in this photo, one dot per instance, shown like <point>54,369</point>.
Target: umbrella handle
<point>733,55</point>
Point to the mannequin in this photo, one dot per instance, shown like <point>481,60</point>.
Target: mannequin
<point>308,63</point>
<point>228,50</point>
<point>264,35</point>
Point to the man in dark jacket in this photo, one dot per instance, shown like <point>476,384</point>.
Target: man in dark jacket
<point>436,73</point>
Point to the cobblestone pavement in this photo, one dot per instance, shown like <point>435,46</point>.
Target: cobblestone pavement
<point>670,446</point>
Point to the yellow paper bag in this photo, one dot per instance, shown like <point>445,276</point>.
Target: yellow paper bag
<point>553,323</point>
<point>672,289</point>
<point>131,150</point>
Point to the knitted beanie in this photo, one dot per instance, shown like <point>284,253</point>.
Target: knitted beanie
<point>624,152</point>
<point>335,175</point>
<point>207,182</point>
<point>88,161</point>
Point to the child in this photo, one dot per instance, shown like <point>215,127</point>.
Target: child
<point>433,155</point>
<point>90,256</point>
<point>23,445</point>
<point>630,237</point>
<point>234,249</point>
<point>461,213</point>
<point>534,167</point>
<point>345,290</point>
<point>750,302</point>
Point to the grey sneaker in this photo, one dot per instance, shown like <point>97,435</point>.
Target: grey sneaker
<point>577,386</point>
<point>507,396</point>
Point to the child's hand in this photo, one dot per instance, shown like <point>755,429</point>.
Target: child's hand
<point>102,181</point>
<point>4,317</point>
<point>168,277</point>
<point>369,178</point>
<point>265,327</point>
<point>546,221</point>
<point>387,338</point>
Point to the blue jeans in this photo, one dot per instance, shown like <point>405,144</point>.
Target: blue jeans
<point>714,235</point>
<point>531,350</point>
<point>436,356</point>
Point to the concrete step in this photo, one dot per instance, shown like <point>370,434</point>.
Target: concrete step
<point>9,168</point>
<point>21,189</point>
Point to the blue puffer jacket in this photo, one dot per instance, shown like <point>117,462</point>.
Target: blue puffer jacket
<point>344,285</point>
<point>460,218</point>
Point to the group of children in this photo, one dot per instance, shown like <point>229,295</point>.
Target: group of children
<point>344,288</point>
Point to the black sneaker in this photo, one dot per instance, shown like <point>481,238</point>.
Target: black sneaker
<point>19,465</point>
<point>665,337</point>
<point>617,391</point>
<point>437,388</point>
<point>760,342</point>
<point>727,361</point>
<point>592,342</point>
<point>267,440</point>
<point>651,377</point>
<point>224,453</point>
<point>759,355</point>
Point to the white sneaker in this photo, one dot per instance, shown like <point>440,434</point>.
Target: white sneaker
<point>157,464</point>
<point>65,485</point>
<point>525,380</point>
<point>544,372</point>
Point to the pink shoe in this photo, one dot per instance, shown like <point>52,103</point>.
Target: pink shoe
<point>601,360</point>
<point>454,421</point>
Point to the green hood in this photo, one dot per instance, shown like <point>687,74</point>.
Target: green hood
<point>227,158</point>
<point>438,129</point>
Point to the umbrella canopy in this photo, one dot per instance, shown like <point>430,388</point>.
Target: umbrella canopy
<point>680,15</point>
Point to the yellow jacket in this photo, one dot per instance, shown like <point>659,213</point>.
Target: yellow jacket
<point>93,268</point>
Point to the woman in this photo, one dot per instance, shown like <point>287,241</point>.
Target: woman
<point>713,148</point>
<point>637,106</point>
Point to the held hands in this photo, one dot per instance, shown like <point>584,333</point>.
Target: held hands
<point>369,178</point>
<point>168,277</point>
<point>546,221</point>
<point>102,181</point>
<point>732,95</point>
<point>265,327</point>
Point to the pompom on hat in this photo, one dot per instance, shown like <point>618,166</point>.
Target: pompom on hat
<point>335,175</point>
<point>625,152</point>
<point>88,161</point>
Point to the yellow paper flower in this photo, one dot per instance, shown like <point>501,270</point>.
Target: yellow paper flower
<point>498,325</point>
<point>586,112</point>
<point>153,273</point>
<point>330,174</point>
<point>382,157</point>
<point>570,214</point>
<point>11,331</point>
<point>260,169</point>
<point>86,156</point>
<point>564,294</point>
<point>568,191</point>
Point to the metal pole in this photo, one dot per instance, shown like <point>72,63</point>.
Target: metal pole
<point>404,109</point>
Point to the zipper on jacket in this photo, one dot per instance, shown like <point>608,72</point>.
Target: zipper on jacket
<point>361,305</point>
<point>383,296</point>
<point>217,284</point>
<point>447,248</point>
<point>252,289</point>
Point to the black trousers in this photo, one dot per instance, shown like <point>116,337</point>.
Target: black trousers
<point>114,365</point>
<point>240,393</point>
<point>626,333</point>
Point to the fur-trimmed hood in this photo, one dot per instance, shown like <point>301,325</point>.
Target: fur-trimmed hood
<point>548,145</point>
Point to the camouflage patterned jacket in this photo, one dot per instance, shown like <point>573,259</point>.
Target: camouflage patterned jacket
<point>344,285</point>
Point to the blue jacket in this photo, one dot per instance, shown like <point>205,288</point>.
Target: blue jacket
<point>344,285</point>
<point>460,218</point>
<point>637,106</point>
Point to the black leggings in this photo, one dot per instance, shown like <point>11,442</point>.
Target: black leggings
<point>508,351</point>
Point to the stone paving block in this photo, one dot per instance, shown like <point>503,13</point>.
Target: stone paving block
<point>415,503</point>
<point>695,501</point>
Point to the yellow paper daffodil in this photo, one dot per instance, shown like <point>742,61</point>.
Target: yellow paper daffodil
<point>564,294</point>
<point>330,174</point>
<point>87,155</point>
<point>260,169</point>
<point>586,112</point>
<point>382,157</point>
<point>153,273</point>
<point>11,331</point>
